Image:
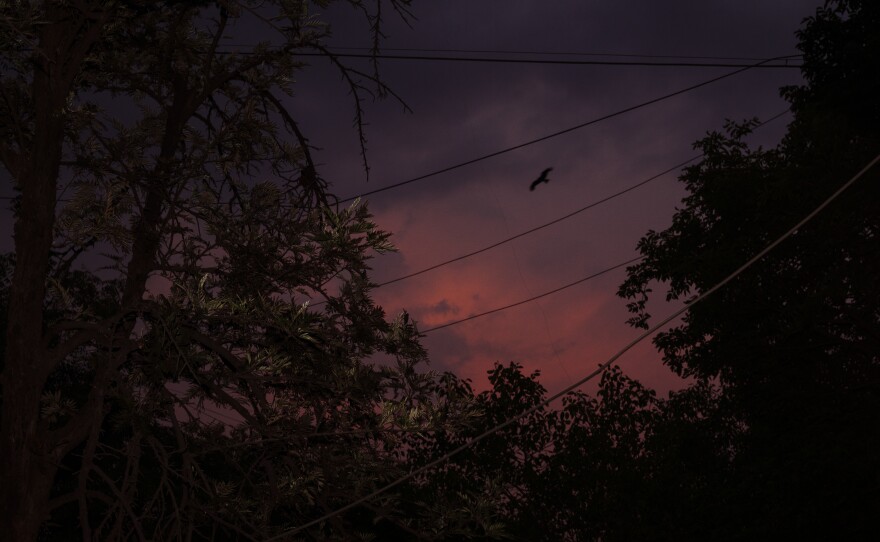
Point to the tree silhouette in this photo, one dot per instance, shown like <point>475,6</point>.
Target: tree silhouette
<point>623,465</point>
<point>777,435</point>
<point>162,374</point>
<point>793,342</point>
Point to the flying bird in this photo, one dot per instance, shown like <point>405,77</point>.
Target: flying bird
<point>542,179</point>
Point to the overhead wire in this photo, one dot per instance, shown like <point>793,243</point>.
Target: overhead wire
<point>538,228</point>
<point>564,217</point>
<point>509,149</point>
<point>382,53</point>
<point>548,136</point>
<point>546,225</point>
<point>545,61</point>
<point>534,298</point>
<point>555,134</point>
<point>601,368</point>
<point>554,53</point>
<point>333,48</point>
<point>541,227</point>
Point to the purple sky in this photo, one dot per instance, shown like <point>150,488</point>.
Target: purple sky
<point>463,110</point>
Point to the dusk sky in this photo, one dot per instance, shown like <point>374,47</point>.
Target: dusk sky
<point>465,110</point>
<point>462,111</point>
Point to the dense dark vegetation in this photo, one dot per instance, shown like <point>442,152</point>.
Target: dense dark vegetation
<point>777,437</point>
<point>111,389</point>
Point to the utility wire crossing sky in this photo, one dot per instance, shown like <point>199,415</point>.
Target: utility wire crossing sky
<point>602,367</point>
<point>560,132</point>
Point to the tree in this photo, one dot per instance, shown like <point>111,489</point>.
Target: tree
<point>170,291</point>
<point>485,490</point>
<point>793,342</point>
<point>623,465</point>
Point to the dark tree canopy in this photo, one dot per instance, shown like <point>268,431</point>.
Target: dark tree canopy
<point>795,341</point>
<point>164,375</point>
<point>623,465</point>
<point>776,437</point>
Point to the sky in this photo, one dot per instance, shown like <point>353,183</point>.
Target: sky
<point>462,111</point>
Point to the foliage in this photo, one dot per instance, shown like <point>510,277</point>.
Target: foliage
<point>776,437</point>
<point>793,341</point>
<point>165,375</point>
<point>623,465</point>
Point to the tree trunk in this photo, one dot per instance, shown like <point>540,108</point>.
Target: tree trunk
<point>28,462</point>
<point>27,467</point>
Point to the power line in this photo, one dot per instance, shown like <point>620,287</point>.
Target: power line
<point>602,367</point>
<point>539,296</point>
<point>545,61</point>
<point>546,225</point>
<point>548,136</point>
<point>555,134</point>
<point>691,62</point>
<point>557,53</point>
<point>328,53</point>
<point>562,218</point>
<point>541,227</point>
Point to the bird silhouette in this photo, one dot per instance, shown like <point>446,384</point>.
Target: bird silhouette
<point>542,179</point>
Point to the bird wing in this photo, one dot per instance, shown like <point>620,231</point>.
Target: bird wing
<point>541,179</point>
